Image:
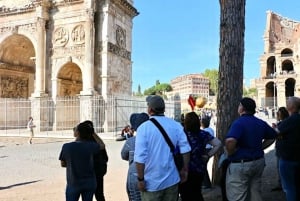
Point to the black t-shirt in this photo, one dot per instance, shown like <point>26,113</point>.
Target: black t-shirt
<point>79,158</point>
<point>100,163</point>
<point>288,141</point>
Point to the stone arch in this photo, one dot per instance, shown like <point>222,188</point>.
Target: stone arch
<point>290,87</point>
<point>287,66</point>
<point>271,65</point>
<point>270,89</point>
<point>286,52</point>
<point>271,94</point>
<point>17,66</point>
<point>61,62</point>
<point>69,80</point>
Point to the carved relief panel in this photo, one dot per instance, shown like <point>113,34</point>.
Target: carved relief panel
<point>121,37</point>
<point>69,88</point>
<point>78,34</point>
<point>69,40</point>
<point>13,87</point>
<point>60,36</point>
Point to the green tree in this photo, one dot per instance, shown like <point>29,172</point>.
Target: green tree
<point>231,60</point>
<point>159,88</point>
<point>212,75</point>
<point>250,92</point>
<point>164,87</point>
<point>138,93</point>
<point>150,91</point>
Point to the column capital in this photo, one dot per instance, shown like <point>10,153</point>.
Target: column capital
<point>90,14</point>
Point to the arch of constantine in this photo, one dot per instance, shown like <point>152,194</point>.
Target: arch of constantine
<point>52,49</point>
<point>280,62</point>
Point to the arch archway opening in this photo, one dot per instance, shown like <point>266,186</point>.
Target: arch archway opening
<point>17,67</point>
<point>271,67</point>
<point>287,67</point>
<point>69,80</point>
<point>290,87</point>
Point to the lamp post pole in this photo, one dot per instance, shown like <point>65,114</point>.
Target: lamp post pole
<point>274,102</point>
<point>274,77</point>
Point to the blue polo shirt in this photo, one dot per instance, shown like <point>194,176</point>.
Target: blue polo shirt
<point>249,131</point>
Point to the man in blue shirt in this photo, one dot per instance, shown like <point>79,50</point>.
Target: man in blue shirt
<point>248,136</point>
<point>158,177</point>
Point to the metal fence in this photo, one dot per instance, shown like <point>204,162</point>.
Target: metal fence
<point>269,102</point>
<point>57,117</point>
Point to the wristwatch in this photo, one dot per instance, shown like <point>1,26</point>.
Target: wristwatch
<point>140,179</point>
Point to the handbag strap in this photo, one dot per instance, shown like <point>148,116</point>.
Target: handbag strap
<point>163,132</point>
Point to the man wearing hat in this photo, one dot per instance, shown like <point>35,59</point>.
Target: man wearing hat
<point>248,136</point>
<point>158,177</point>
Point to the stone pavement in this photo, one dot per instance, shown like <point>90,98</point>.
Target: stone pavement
<point>33,172</point>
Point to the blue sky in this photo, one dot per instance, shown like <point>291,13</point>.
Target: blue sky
<point>176,37</point>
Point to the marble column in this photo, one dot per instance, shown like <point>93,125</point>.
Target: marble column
<point>88,75</point>
<point>40,61</point>
<point>281,99</point>
<point>104,53</point>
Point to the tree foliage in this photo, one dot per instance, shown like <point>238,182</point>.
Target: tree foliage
<point>158,88</point>
<point>138,93</point>
<point>250,92</point>
<point>212,75</point>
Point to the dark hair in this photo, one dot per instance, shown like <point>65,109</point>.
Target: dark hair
<point>282,113</point>
<point>85,131</point>
<point>91,124</point>
<point>192,122</point>
<point>249,105</point>
<point>205,122</point>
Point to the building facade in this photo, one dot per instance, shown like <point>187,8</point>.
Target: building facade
<point>65,48</point>
<point>280,62</point>
<point>191,84</point>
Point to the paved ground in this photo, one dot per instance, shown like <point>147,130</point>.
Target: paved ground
<point>33,172</point>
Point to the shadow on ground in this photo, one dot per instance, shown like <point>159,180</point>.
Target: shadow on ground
<point>19,184</point>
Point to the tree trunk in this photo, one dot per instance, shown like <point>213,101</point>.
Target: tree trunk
<point>231,58</point>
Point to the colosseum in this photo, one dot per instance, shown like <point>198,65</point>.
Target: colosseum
<point>279,63</point>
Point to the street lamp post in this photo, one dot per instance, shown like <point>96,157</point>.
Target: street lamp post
<point>274,77</point>
<point>274,101</point>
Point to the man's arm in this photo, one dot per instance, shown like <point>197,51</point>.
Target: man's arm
<point>267,142</point>
<point>216,144</point>
<point>184,171</point>
<point>140,167</point>
<point>230,145</point>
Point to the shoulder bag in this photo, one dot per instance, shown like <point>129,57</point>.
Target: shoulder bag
<point>177,156</point>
